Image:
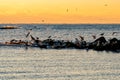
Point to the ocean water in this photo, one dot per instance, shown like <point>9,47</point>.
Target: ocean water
<point>17,63</point>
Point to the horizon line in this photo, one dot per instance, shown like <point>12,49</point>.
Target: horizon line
<point>59,23</point>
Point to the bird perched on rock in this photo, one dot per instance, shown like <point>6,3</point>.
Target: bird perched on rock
<point>82,38</point>
<point>102,34</point>
<point>94,36</point>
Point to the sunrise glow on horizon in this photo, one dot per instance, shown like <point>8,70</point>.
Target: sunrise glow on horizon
<point>59,11</point>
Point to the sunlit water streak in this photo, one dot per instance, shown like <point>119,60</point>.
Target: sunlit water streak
<point>17,63</point>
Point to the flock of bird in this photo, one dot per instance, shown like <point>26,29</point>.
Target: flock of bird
<point>98,44</point>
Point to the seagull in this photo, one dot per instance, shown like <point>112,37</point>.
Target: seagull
<point>32,38</point>
<point>94,36</point>
<point>67,10</point>
<point>28,33</point>
<point>43,20</point>
<point>49,37</point>
<point>82,38</point>
<point>114,33</point>
<point>102,34</point>
<point>105,5</point>
<point>76,9</point>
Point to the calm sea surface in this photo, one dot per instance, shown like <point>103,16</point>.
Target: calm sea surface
<point>17,63</point>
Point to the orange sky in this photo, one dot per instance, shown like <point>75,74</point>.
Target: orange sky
<point>60,11</point>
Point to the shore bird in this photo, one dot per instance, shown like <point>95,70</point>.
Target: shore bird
<point>82,38</point>
<point>102,34</point>
<point>114,33</point>
<point>94,36</point>
<point>28,33</point>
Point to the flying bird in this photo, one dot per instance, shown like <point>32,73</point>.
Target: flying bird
<point>32,38</point>
<point>76,9</point>
<point>43,20</point>
<point>28,33</point>
<point>67,10</point>
<point>106,5</point>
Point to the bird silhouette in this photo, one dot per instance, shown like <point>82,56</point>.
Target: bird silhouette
<point>49,36</point>
<point>82,38</point>
<point>67,10</point>
<point>106,5</point>
<point>102,34</point>
<point>94,36</point>
<point>114,33</point>
<point>28,33</point>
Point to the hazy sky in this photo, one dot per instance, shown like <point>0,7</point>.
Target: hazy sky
<point>59,11</point>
